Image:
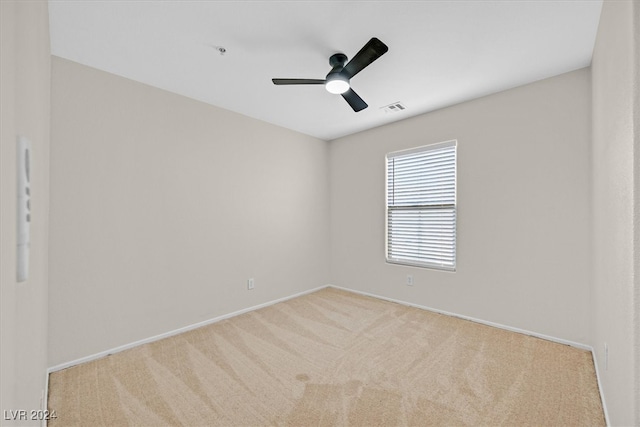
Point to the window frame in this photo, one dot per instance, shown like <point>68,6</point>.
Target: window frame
<point>454,206</point>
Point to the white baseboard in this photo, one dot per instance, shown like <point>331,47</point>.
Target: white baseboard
<point>472,319</point>
<point>604,404</point>
<point>118,349</point>
<point>45,399</point>
<point>505,327</point>
<point>266,304</point>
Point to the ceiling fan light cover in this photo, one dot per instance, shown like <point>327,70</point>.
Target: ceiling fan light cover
<point>337,85</point>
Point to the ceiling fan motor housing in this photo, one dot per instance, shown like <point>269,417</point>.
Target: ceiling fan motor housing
<point>336,83</point>
<point>338,59</point>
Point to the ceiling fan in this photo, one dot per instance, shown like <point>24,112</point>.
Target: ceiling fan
<point>337,81</point>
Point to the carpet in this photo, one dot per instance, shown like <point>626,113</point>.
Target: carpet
<point>334,358</point>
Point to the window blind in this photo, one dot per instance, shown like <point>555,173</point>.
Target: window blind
<point>421,206</point>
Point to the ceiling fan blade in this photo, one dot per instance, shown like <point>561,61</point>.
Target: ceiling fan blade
<point>354,100</point>
<point>371,51</point>
<point>298,81</point>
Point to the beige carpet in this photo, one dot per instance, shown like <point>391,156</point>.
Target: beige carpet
<point>334,358</point>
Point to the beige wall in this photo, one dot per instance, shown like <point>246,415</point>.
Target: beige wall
<point>140,175</point>
<point>25,88</point>
<point>523,209</point>
<point>616,295</point>
<point>162,207</point>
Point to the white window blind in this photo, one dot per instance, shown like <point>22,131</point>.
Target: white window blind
<point>421,206</point>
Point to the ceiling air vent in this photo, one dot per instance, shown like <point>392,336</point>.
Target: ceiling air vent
<point>396,107</point>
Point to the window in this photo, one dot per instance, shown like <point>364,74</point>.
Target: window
<point>421,206</point>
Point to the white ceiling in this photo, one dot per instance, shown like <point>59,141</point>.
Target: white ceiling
<point>440,52</point>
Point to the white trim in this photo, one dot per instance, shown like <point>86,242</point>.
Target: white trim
<point>416,257</point>
<point>45,399</point>
<point>266,304</point>
<point>434,146</point>
<point>187,328</point>
<point>505,327</point>
<point>604,404</point>
<point>472,319</point>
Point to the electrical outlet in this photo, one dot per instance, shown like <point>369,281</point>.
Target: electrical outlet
<point>250,283</point>
<point>606,357</point>
<point>409,280</point>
